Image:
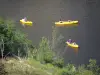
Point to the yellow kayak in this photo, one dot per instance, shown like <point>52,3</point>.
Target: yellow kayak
<point>73,45</point>
<point>29,23</point>
<point>66,23</point>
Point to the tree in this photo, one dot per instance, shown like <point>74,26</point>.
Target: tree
<point>2,45</point>
<point>13,38</point>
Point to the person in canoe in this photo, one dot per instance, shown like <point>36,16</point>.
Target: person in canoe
<point>70,41</point>
<point>24,20</point>
<point>60,21</point>
<point>73,45</point>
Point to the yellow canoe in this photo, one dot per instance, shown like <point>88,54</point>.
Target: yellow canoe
<point>73,45</point>
<point>29,23</point>
<point>66,23</point>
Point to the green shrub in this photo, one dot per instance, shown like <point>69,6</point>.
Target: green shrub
<point>59,62</point>
<point>44,53</point>
<point>83,71</point>
<point>70,69</point>
<point>93,67</point>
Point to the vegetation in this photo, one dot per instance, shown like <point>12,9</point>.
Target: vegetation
<point>20,57</point>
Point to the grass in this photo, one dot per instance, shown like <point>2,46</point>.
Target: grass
<point>23,67</point>
<point>33,67</point>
